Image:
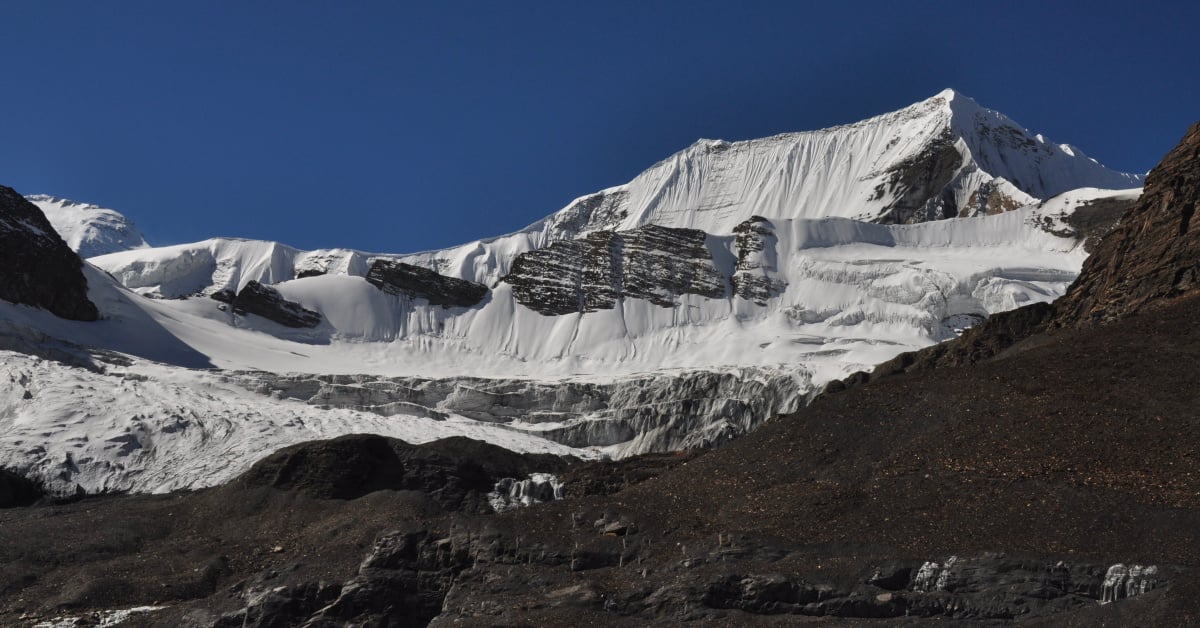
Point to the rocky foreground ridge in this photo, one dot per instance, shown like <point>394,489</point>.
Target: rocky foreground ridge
<point>1153,254</point>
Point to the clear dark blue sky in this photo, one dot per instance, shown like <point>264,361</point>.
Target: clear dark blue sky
<point>398,126</point>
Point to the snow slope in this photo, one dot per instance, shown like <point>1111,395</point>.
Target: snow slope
<point>856,290</point>
<point>855,285</point>
<point>842,286</point>
<point>88,229</point>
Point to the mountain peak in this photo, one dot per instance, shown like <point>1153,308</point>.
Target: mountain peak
<point>88,229</point>
<point>949,95</point>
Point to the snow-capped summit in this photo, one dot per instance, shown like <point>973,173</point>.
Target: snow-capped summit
<point>89,230</point>
<point>942,157</point>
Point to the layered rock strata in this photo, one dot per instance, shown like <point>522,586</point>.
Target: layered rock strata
<point>658,264</point>
<point>414,281</point>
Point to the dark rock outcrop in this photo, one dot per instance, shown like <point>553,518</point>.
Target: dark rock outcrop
<point>754,243</point>
<point>39,269</point>
<point>1154,253</point>
<point>988,200</point>
<point>17,490</point>
<point>1097,218</point>
<point>984,587</point>
<point>403,581</point>
<point>414,281</point>
<point>457,473</point>
<point>921,184</point>
<point>658,264</point>
<point>265,301</point>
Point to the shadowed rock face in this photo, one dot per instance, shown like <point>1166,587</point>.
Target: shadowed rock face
<point>414,281</point>
<point>921,184</point>
<point>17,490</point>
<point>658,264</point>
<point>1095,219</point>
<point>1153,253</point>
<point>266,302</point>
<point>39,269</point>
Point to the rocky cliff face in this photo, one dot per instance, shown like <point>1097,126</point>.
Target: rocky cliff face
<point>455,579</point>
<point>920,185</point>
<point>39,268</point>
<point>755,243</point>
<point>399,278</point>
<point>1153,253</point>
<point>658,264</point>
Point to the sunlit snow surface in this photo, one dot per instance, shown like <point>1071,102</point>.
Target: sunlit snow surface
<point>208,392</point>
<point>856,293</point>
<point>89,229</point>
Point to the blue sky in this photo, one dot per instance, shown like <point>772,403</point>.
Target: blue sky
<point>400,126</point>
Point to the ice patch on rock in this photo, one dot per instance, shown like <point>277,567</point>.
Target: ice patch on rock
<point>933,576</point>
<point>512,493</point>
<point>1122,581</point>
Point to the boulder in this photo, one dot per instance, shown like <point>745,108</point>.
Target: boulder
<point>266,302</point>
<point>414,281</point>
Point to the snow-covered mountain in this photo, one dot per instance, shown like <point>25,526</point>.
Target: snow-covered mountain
<point>713,291</point>
<point>89,230</point>
<point>773,244</point>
